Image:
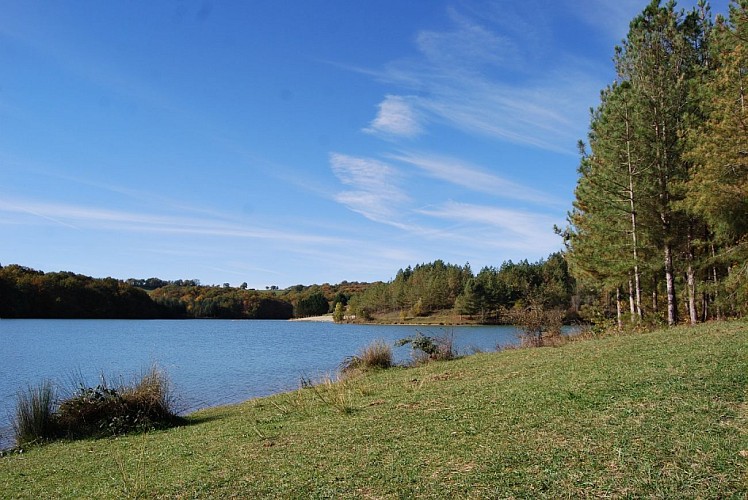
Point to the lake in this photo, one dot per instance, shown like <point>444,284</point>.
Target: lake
<point>209,362</point>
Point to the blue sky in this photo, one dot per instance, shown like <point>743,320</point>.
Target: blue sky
<point>283,142</point>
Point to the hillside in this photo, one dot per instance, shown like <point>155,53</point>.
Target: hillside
<point>661,414</point>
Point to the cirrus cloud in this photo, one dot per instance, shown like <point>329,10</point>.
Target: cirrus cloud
<point>374,193</point>
<point>396,117</point>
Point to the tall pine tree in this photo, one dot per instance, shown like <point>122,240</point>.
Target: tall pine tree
<point>627,198</point>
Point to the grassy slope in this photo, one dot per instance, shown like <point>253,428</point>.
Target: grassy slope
<point>662,414</point>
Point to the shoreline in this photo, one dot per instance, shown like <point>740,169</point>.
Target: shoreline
<point>327,318</point>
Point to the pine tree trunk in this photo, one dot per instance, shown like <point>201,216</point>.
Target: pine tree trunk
<point>716,283</point>
<point>672,307</point>
<point>638,290</point>
<point>632,304</point>
<point>632,206</point>
<point>691,282</point>
<point>618,308</point>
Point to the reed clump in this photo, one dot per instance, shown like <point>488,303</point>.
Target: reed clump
<point>34,420</point>
<point>104,410</point>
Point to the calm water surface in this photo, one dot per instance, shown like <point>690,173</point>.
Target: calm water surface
<point>210,362</point>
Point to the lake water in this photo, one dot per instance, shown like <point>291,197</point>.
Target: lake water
<point>210,362</point>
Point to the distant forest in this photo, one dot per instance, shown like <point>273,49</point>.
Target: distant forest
<point>416,292</point>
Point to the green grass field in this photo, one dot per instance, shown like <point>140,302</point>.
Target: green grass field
<point>663,415</point>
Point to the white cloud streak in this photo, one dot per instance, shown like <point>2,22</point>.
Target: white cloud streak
<point>468,45</point>
<point>462,173</point>
<point>502,228</point>
<point>375,194</point>
<point>86,217</point>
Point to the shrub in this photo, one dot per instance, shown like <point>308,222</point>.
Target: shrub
<point>426,348</point>
<point>105,411</point>
<point>377,355</point>
<point>538,326</point>
<point>34,418</point>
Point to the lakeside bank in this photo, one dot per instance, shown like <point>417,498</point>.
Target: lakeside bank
<point>616,416</point>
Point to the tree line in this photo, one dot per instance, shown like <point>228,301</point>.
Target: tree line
<point>659,224</point>
<point>485,298</point>
<point>415,292</point>
<point>29,293</point>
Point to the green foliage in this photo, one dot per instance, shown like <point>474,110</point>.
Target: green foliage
<point>224,303</point>
<point>314,305</point>
<point>427,348</point>
<point>662,198</point>
<point>34,420</point>
<point>428,288</point>
<point>28,293</point>
<point>338,314</point>
<point>718,187</point>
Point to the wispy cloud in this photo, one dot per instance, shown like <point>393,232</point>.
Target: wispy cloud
<point>465,174</point>
<point>396,117</point>
<point>501,227</point>
<point>471,78</point>
<point>88,217</point>
<point>375,193</point>
<point>610,18</point>
<point>468,45</point>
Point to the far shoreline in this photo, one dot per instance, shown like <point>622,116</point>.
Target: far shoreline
<point>326,318</point>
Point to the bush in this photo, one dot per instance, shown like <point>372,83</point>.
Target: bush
<point>426,348</point>
<point>107,411</point>
<point>98,411</point>
<point>538,326</point>
<point>34,419</point>
<point>377,355</point>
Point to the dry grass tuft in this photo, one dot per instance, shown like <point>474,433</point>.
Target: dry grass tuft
<point>375,356</point>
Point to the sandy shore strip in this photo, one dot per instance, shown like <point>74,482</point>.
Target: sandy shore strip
<point>327,318</point>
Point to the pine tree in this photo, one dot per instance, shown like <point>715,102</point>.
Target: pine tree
<point>718,186</point>
<point>658,58</point>
<point>631,182</point>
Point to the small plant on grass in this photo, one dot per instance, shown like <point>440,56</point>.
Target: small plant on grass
<point>152,397</point>
<point>335,393</point>
<point>377,355</point>
<point>427,348</point>
<point>34,420</point>
<point>133,478</point>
